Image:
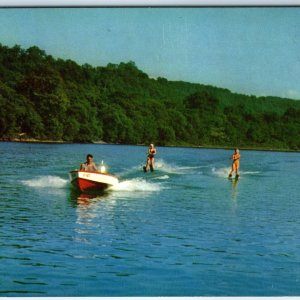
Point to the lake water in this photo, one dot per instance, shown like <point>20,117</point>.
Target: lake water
<point>183,230</point>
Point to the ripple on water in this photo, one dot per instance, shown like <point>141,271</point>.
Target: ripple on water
<point>184,230</point>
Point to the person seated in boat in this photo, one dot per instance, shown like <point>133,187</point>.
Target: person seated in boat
<point>89,165</point>
<point>235,163</point>
<point>150,158</point>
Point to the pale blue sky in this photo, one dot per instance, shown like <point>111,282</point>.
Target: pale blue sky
<point>248,50</point>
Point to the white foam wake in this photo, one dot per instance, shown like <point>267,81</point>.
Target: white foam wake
<point>136,185</point>
<point>221,172</point>
<point>163,177</point>
<point>162,166</point>
<point>46,181</point>
<point>250,172</point>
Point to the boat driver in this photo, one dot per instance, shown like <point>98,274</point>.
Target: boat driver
<point>89,165</point>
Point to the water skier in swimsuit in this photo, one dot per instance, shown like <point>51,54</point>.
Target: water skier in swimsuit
<point>235,163</point>
<point>150,158</point>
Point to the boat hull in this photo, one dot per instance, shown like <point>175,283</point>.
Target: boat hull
<point>92,181</point>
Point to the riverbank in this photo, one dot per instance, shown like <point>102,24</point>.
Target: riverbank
<point>46,141</point>
<point>250,148</point>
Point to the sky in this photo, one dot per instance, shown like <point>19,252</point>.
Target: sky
<point>248,50</point>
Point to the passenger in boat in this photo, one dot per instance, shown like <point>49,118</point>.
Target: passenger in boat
<point>235,163</point>
<point>150,158</point>
<point>89,165</point>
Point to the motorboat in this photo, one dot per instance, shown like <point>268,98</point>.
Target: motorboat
<point>92,180</point>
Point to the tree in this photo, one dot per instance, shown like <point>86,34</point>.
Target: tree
<point>52,98</point>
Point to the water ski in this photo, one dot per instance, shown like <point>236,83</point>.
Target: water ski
<point>144,168</point>
<point>234,178</point>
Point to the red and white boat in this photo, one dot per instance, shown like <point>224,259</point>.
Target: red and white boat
<point>92,180</point>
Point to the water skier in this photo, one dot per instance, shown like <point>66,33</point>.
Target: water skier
<point>235,164</point>
<point>150,158</point>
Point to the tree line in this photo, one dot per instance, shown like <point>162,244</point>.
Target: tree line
<point>46,98</point>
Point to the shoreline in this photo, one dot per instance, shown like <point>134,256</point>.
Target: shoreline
<point>250,148</point>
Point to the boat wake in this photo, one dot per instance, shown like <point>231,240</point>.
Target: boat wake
<point>223,172</point>
<point>46,182</point>
<point>163,177</point>
<point>250,172</point>
<point>164,167</point>
<point>160,166</point>
<point>136,185</point>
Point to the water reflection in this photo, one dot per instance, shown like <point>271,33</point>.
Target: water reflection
<point>89,206</point>
<point>234,190</point>
<point>80,198</point>
<point>86,199</point>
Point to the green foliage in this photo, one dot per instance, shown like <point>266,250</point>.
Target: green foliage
<point>46,98</point>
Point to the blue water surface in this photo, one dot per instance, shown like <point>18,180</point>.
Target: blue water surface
<point>183,230</point>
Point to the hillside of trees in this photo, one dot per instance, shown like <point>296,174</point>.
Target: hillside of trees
<point>46,98</point>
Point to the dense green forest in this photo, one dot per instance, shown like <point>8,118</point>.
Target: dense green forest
<point>46,98</point>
